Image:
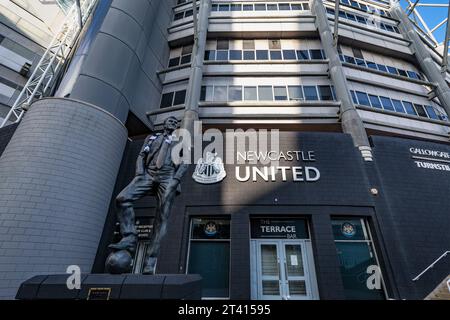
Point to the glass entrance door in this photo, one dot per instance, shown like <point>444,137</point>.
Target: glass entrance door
<point>282,270</point>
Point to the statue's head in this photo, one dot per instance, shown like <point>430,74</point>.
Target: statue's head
<point>170,124</point>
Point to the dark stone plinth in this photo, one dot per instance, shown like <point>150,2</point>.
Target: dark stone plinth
<point>114,287</point>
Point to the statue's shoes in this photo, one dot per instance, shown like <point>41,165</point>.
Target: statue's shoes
<point>124,244</point>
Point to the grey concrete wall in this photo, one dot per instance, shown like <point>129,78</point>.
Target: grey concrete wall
<point>119,72</point>
<point>57,176</point>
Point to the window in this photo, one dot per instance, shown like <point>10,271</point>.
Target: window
<point>224,7</point>
<point>349,59</point>
<point>220,93</point>
<point>222,55</point>
<point>186,59</point>
<point>357,53</point>
<point>302,55</point>
<point>272,7</point>
<point>265,93</point>
<point>209,255</point>
<point>249,55</point>
<point>274,44</point>
<point>250,94</point>
<point>234,93</point>
<point>180,97</point>
<point>375,101</point>
<point>260,7</point>
<point>166,100</point>
<point>275,55</point>
<point>295,93</point>
<point>361,19</point>
<point>316,54</point>
<point>354,99</point>
<point>432,113</point>
<point>325,93</point>
<point>222,45</point>
<point>210,55</point>
<point>289,55</point>
<point>206,94</point>
<point>174,62</point>
<point>392,70</point>
<point>420,110</point>
<point>413,75</point>
<point>362,98</point>
<point>372,65</point>
<point>247,7</point>
<point>248,44</point>
<point>409,108</point>
<point>178,16</point>
<point>398,107</point>
<point>356,253</point>
<point>296,6</point>
<point>262,55</point>
<point>236,7</point>
<point>387,103</point>
<point>402,72</point>
<point>284,6</point>
<point>382,67</point>
<point>235,55</point>
<point>310,93</point>
<point>280,93</point>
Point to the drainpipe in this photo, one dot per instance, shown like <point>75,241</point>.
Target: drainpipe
<point>350,119</point>
<point>195,78</point>
<point>423,56</point>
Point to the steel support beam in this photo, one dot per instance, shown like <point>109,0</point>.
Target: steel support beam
<point>445,52</point>
<point>350,119</point>
<point>336,23</point>
<point>423,56</point>
<point>196,76</point>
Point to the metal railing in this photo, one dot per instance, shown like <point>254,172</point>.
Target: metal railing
<point>431,266</point>
<point>52,61</point>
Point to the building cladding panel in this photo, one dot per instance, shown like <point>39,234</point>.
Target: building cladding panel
<point>69,151</point>
<point>263,68</point>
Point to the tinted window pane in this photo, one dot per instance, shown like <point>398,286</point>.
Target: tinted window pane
<point>166,100</point>
<point>362,98</point>
<point>180,97</point>
<point>265,93</point>
<point>178,16</point>
<point>235,93</point>
<point>220,93</point>
<point>431,112</point>
<point>372,65</point>
<point>249,55</point>
<point>247,7</point>
<point>262,55</point>
<point>325,93</point>
<point>409,108</point>
<point>260,7</point>
<point>186,59</point>
<point>296,6</point>
<point>402,72</point>
<point>248,44</point>
<point>375,101</point>
<point>310,93</point>
<point>349,59</point>
<point>222,44</point>
<point>250,94</point>
<point>186,50</point>
<point>353,94</point>
<point>413,75</point>
<point>275,55</point>
<point>284,6</point>
<point>289,55</point>
<point>236,7</point>
<point>382,67</point>
<point>224,7</point>
<point>280,93</point>
<point>392,70</point>
<point>235,55</point>
<point>387,104</point>
<point>210,55</point>
<point>222,55</point>
<point>206,93</point>
<point>316,54</point>
<point>174,62</point>
<point>361,19</point>
<point>302,55</point>
<point>420,110</point>
<point>398,106</point>
<point>272,6</point>
<point>295,93</point>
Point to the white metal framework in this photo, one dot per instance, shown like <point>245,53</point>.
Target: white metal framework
<point>428,32</point>
<point>40,82</point>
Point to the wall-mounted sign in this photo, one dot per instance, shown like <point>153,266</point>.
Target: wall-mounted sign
<point>348,230</point>
<point>279,229</point>
<point>209,170</point>
<point>144,227</point>
<point>99,294</point>
<point>430,159</point>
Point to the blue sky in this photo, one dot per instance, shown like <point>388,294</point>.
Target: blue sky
<point>432,16</point>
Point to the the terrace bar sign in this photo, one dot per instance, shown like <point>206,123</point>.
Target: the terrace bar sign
<point>279,229</point>
<point>255,172</point>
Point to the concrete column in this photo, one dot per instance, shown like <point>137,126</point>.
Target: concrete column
<point>351,121</point>
<point>57,177</point>
<point>196,76</point>
<point>423,56</point>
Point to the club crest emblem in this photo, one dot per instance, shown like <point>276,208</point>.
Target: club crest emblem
<point>348,229</point>
<point>210,229</point>
<point>209,170</point>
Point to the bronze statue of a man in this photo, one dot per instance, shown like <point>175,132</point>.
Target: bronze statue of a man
<point>156,174</point>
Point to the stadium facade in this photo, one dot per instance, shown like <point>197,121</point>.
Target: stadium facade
<point>357,206</point>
